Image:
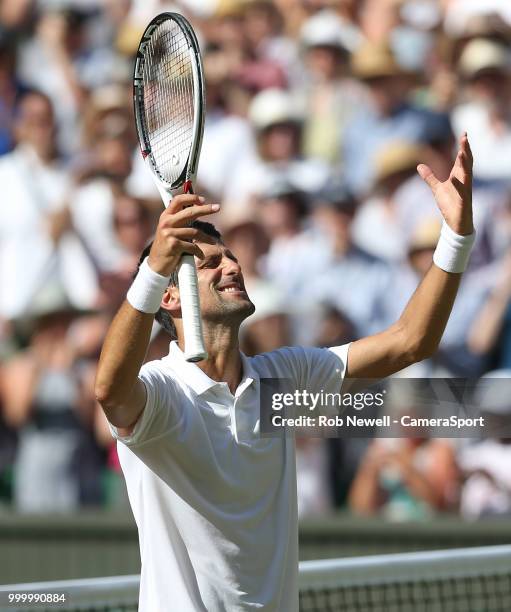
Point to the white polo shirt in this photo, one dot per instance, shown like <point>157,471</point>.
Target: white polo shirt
<point>214,502</point>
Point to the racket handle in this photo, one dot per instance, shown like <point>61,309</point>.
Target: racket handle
<point>190,310</point>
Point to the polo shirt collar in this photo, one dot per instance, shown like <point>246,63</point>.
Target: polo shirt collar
<point>190,373</point>
<point>198,380</point>
<point>249,375</point>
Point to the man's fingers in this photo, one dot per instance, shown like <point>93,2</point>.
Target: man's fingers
<point>458,163</point>
<point>469,152</point>
<point>464,143</point>
<point>191,233</point>
<point>182,201</point>
<point>193,212</point>
<point>466,149</point>
<point>428,176</point>
<point>174,246</point>
<point>466,163</point>
<point>464,160</point>
<point>192,249</point>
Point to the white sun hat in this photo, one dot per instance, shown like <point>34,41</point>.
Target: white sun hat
<point>482,54</point>
<point>273,106</point>
<point>327,29</point>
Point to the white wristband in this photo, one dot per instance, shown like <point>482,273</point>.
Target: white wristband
<point>453,251</point>
<point>147,289</point>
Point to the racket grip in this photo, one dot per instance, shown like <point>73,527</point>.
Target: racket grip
<point>190,310</point>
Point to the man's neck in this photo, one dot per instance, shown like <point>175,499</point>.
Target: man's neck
<point>224,360</point>
<point>43,158</point>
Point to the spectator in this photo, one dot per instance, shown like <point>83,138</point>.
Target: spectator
<point>486,489</point>
<point>404,479</point>
<point>36,189</point>
<point>329,96</point>
<point>277,122</point>
<point>346,276</point>
<point>490,333</point>
<point>334,327</point>
<point>93,200</point>
<point>48,403</point>
<point>378,215</point>
<point>454,357</point>
<point>282,210</point>
<point>58,40</point>
<point>378,19</point>
<point>226,133</point>
<point>414,205</point>
<point>486,67</point>
<point>108,114</point>
<point>263,26</point>
<point>459,14</point>
<point>391,116</point>
<point>413,198</point>
<point>133,224</point>
<point>407,478</point>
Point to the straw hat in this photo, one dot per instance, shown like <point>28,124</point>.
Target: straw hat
<point>425,235</point>
<point>375,60</point>
<point>396,157</point>
<point>229,8</point>
<point>109,97</point>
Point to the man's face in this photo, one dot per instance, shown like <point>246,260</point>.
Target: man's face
<point>491,87</point>
<point>35,125</point>
<point>387,93</point>
<point>221,285</point>
<point>324,62</point>
<point>279,142</point>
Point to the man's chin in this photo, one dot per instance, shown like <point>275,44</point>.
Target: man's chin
<point>242,304</point>
<point>239,304</point>
<point>250,308</point>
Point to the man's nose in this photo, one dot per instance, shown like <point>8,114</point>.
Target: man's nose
<point>230,266</point>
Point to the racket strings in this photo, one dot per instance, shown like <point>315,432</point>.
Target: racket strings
<point>169,100</point>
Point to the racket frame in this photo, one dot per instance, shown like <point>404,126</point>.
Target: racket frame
<point>187,271</point>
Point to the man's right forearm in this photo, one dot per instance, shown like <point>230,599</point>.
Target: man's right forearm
<point>120,392</point>
<point>118,388</point>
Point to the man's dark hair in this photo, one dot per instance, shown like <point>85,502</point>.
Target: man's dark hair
<point>28,92</point>
<point>162,316</point>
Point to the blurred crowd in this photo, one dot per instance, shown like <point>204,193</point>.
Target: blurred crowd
<point>318,112</point>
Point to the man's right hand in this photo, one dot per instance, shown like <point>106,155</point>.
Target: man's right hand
<point>174,236</point>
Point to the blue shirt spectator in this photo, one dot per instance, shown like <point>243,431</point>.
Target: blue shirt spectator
<point>370,131</point>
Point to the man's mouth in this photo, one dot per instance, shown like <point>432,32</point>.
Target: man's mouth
<point>231,288</point>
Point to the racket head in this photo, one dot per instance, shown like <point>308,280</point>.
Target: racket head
<point>169,100</point>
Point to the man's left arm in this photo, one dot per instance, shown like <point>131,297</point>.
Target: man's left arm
<point>417,333</point>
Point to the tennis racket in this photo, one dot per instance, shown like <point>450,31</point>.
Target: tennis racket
<point>168,93</point>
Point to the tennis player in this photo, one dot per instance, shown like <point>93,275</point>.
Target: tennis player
<point>214,502</point>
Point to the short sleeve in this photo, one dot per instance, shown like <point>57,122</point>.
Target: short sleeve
<point>312,372</point>
<point>161,412</point>
<point>341,352</point>
<point>325,368</point>
<point>314,369</point>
